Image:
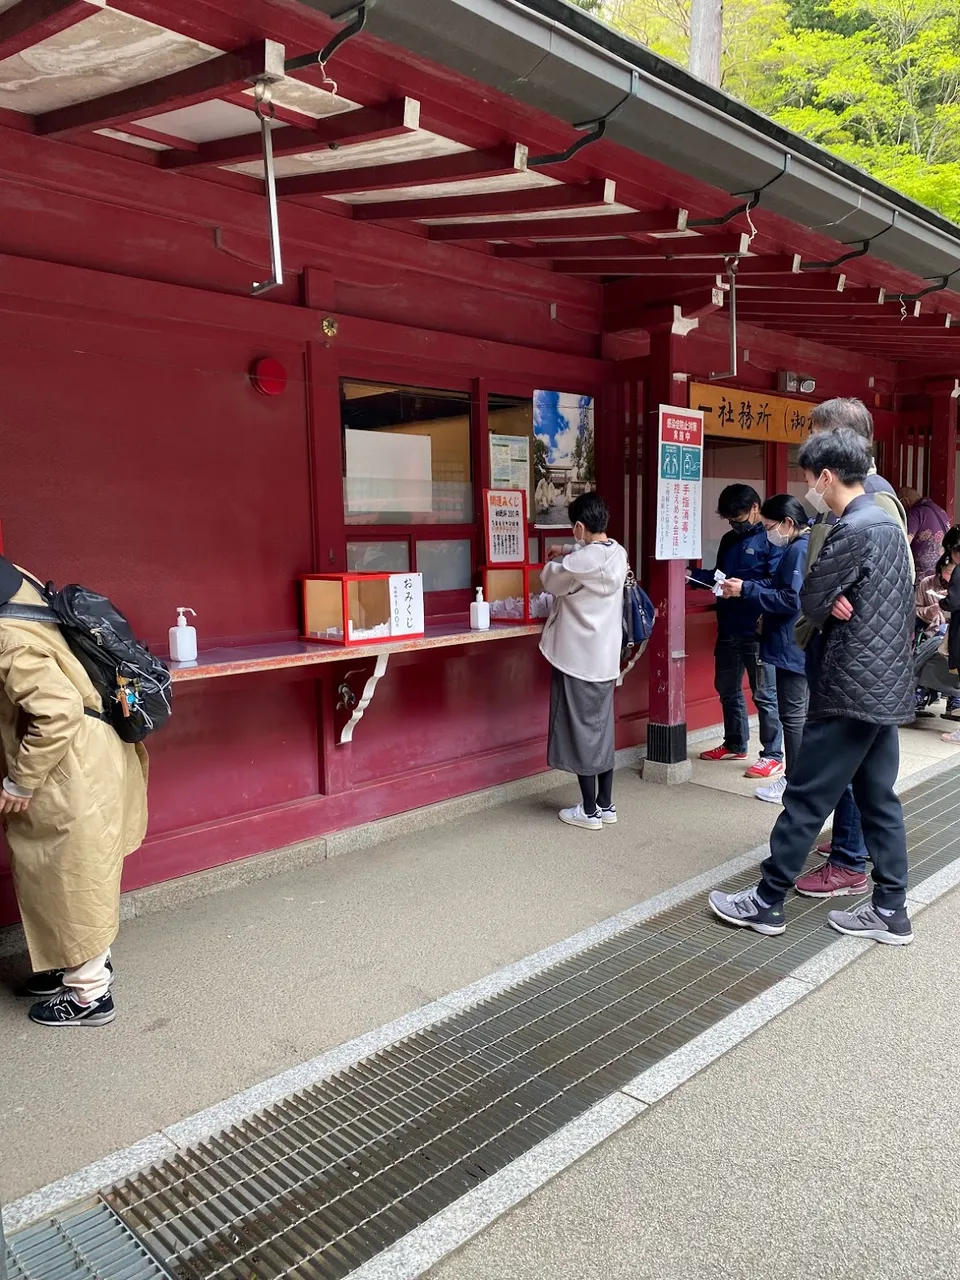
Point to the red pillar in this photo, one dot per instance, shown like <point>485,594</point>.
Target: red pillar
<point>664,580</point>
<point>943,450</point>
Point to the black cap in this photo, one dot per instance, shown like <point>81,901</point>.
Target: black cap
<point>11,580</point>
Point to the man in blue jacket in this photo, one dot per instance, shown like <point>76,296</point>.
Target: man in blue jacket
<point>745,553</point>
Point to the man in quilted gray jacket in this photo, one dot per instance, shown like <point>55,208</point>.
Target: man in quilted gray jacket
<point>859,596</point>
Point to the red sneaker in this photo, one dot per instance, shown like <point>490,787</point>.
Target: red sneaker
<point>824,848</point>
<point>831,881</point>
<point>722,753</point>
<point>765,768</point>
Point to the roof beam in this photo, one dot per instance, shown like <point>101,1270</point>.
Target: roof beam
<point>212,79</point>
<point>555,198</point>
<point>461,165</point>
<point>625,224</point>
<point>762,283</point>
<point>646,316</point>
<point>769,267</point>
<point>31,21</point>
<point>856,301</point>
<point>346,129</point>
<point>695,247</point>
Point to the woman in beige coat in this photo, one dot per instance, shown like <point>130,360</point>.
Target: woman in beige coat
<point>74,804</point>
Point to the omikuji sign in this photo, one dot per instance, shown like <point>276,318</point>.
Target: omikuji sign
<point>750,415</point>
<point>680,458</point>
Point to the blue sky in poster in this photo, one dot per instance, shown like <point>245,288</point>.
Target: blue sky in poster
<point>556,421</point>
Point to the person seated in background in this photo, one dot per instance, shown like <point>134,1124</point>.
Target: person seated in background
<point>746,555</point>
<point>926,526</point>
<point>932,621</point>
<point>787,527</point>
<point>581,641</point>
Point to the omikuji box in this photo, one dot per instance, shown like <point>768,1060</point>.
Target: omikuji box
<point>515,594</point>
<point>362,608</point>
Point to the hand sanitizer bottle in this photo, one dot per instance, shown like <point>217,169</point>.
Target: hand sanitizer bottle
<point>480,613</point>
<point>183,639</point>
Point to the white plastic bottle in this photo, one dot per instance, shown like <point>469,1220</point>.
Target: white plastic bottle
<point>183,638</point>
<point>480,613</point>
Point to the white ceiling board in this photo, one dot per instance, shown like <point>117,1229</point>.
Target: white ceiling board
<point>468,187</point>
<point>148,143</point>
<point>588,211</point>
<point>307,98</point>
<point>418,145</point>
<point>205,121</point>
<point>103,53</point>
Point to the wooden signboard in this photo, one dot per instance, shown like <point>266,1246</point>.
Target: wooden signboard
<point>750,415</point>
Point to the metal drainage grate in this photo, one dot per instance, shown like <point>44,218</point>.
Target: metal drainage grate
<point>325,1180</point>
<point>90,1245</point>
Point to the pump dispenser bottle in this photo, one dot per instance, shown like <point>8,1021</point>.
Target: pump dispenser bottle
<point>183,638</point>
<point>480,613</point>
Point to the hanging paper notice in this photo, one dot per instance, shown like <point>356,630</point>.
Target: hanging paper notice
<point>510,463</point>
<point>680,455</point>
<point>505,526</point>
<point>406,604</point>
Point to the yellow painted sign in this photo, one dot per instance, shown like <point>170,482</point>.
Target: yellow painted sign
<point>750,415</point>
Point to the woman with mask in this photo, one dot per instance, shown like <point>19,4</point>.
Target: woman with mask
<point>581,641</point>
<point>778,597</point>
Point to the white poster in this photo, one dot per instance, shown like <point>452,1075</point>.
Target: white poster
<point>506,526</point>
<point>679,483</point>
<point>510,463</point>
<point>387,472</point>
<point>406,604</point>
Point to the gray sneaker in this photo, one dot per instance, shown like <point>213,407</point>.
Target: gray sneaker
<point>866,921</point>
<point>746,911</point>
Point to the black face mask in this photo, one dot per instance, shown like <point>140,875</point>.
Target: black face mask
<point>742,528</point>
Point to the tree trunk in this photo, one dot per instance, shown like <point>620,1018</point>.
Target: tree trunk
<point>706,35</point>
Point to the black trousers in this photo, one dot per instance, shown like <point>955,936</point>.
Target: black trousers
<point>834,753</point>
<point>793,694</point>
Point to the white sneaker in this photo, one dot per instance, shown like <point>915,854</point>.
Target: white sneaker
<point>774,793</point>
<point>608,816</point>
<point>577,818</point>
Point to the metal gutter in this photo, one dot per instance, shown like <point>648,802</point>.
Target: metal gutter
<point>553,56</point>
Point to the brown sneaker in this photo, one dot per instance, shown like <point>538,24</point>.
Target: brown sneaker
<point>831,881</point>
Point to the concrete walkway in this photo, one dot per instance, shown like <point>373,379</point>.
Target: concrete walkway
<point>219,995</point>
<point>826,1147</point>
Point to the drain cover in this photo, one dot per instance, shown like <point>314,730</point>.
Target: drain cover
<point>92,1244</point>
<point>325,1180</point>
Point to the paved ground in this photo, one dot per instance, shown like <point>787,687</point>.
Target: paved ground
<point>826,1147</point>
<point>235,988</point>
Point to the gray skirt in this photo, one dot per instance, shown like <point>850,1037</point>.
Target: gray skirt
<point>580,739</point>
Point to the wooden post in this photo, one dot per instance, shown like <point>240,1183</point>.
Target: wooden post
<point>944,393</point>
<point>666,579</point>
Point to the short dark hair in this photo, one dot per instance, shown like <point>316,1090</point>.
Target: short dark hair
<point>945,559</point>
<point>844,452</point>
<point>951,539</point>
<point>591,511</point>
<point>844,411</point>
<point>736,500</point>
<point>784,506</point>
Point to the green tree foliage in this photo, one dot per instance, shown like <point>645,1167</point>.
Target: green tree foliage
<point>875,81</point>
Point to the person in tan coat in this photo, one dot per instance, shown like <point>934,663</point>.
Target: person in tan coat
<point>74,804</point>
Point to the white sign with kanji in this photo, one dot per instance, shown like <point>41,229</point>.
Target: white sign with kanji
<point>680,461</point>
<point>406,604</point>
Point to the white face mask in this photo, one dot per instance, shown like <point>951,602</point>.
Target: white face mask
<point>777,537</point>
<point>816,500</point>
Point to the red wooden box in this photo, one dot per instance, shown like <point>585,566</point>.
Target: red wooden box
<point>511,592</point>
<point>361,608</point>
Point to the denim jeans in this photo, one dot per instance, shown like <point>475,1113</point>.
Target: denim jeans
<point>835,754</point>
<point>735,657</point>
<point>847,848</point>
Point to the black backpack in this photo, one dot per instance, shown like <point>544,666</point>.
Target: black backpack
<point>134,685</point>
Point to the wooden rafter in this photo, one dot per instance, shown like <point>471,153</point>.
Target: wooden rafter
<point>226,73</point>
<point>615,224</point>
<point>457,167</point>
<point>346,129</point>
<point>555,198</point>
<point>590,251</point>
<point>30,21</point>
